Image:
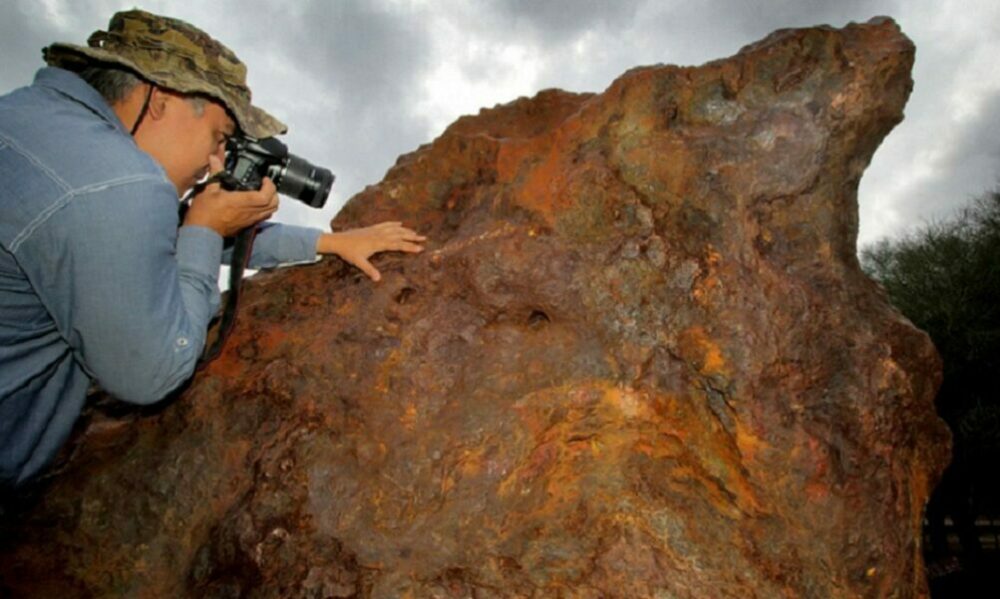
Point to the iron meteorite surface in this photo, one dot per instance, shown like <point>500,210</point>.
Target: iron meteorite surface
<point>638,359</point>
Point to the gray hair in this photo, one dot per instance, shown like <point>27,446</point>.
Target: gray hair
<point>113,84</point>
<point>116,84</point>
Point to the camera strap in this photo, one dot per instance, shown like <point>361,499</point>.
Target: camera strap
<point>242,247</point>
<point>142,113</point>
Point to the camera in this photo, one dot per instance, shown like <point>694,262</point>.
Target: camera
<point>249,160</point>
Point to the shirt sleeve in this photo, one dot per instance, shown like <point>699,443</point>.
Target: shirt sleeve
<point>130,292</point>
<point>281,245</point>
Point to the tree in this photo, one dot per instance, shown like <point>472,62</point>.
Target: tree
<point>945,278</point>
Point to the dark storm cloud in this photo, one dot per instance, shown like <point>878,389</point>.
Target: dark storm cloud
<point>369,55</point>
<point>557,20</point>
<point>701,29</point>
<point>27,27</point>
<point>933,163</point>
<point>349,76</point>
<point>970,168</point>
<point>362,66</point>
<point>719,28</point>
<point>758,18</point>
<point>370,61</point>
<point>360,63</point>
<point>982,142</point>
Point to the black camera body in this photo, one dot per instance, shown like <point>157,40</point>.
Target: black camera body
<point>249,160</point>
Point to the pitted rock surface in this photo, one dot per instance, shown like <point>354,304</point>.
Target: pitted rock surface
<point>637,359</point>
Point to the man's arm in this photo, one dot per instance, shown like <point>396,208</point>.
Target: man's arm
<point>130,292</point>
<point>277,244</point>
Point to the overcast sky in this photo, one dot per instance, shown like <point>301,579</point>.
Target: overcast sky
<point>362,81</point>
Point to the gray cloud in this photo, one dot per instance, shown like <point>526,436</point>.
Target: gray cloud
<point>368,63</point>
<point>349,75</point>
<point>756,19</point>
<point>556,20</point>
<point>968,169</point>
<point>931,165</point>
<point>369,55</point>
<point>720,28</point>
<point>21,40</point>
<point>353,73</point>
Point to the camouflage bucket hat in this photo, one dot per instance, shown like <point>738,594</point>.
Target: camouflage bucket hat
<point>175,55</point>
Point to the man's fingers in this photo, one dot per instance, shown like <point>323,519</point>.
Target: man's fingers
<point>406,246</point>
<point>266,213</point>
<point>369,270</point>
<point>269,209</point>
<point>403,233</point>
<point>267,186</point>
<point>270,193</point>
<point>257,200</point>
<point>214,164</point>
<point>227,212</point>
<point>399,238</point>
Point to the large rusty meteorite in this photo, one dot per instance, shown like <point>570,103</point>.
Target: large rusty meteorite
<point>638,359</point>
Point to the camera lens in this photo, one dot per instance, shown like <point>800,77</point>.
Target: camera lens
<point>304,181</point>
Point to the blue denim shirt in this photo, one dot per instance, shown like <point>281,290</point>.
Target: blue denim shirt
<point>97,279</point>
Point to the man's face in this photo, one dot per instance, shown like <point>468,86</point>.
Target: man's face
<point>181,139</point>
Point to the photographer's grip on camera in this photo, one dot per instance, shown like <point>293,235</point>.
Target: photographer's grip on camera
<point>249,160</point>
<point>218,204</point>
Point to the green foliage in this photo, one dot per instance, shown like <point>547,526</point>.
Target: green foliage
<point>946,279</point>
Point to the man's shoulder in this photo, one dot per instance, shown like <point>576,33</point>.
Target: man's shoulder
<point>54,149</point>
<point>52,136</point>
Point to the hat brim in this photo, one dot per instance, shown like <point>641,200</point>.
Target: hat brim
<point>252,120</point>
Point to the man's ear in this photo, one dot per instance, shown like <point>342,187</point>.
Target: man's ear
<point>158,102</point>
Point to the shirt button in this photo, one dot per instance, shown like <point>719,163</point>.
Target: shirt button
<point>182,342</point>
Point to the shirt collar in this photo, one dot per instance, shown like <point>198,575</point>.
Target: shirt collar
<point>71,85</point>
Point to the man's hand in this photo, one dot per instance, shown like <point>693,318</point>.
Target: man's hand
<point>357,245</point>
<point>229,212</point>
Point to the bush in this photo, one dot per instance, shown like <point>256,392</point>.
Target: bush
<point>945,278</point>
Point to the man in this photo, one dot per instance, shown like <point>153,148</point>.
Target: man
<point>98,279</point>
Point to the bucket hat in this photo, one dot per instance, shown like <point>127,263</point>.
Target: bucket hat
<point>173,54</point>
